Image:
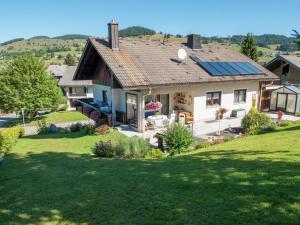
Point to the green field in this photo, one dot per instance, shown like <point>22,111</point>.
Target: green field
<point>53,179</point>
<point>55,117</point>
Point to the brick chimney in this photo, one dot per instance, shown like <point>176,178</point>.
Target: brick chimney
<point>113,35</point>
<point>194,41</point>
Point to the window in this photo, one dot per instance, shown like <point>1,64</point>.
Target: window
<point>240,96</point>
<point>213,98</point>
<point>104,96</point>
<point>285,70</point>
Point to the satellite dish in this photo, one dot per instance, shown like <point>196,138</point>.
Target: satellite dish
<point>182,54</point>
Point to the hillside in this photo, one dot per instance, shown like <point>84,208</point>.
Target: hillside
<point>53,49</point>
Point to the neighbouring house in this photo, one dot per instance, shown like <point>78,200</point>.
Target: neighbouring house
<point>146,84</point>
<point>57,71</point>
<point>284,95</point>
<point>287,68</point>
<point>75,89</point>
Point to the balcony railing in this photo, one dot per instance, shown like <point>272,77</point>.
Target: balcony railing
<point>77,94</point>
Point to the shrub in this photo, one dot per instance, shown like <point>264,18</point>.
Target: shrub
<point>102,129</point>
<point>298,114</point>
<point>75,127</point>
<point>8,138</point>
<point>155,154</point>
<point>255,121</point>
<point>228,138</point>
<point>286,123</point>
<point>134,147</point>
<point>203,144</point>
<point>218,141</point>
<point>178,138</point>
<point>103,149</point>
<point>87,129</point>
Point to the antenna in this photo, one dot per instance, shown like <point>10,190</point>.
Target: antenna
<point>182,54</point>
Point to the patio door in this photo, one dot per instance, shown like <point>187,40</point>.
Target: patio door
<point>131,109</point>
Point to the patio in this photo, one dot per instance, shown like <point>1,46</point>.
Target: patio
<point>199,128</point>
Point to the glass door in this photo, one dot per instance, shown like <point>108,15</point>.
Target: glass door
<point>281,102</point>
<point>291,103</point>
<point>131,109</point>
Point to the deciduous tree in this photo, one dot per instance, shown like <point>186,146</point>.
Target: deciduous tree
<point>26,84</point>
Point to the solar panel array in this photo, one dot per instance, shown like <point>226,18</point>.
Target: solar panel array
<point>228,68</point>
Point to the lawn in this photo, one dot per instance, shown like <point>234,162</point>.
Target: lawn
<point>55,117</point>
<point>54,180</point>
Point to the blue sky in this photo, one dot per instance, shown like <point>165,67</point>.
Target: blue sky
<point>29,18</point>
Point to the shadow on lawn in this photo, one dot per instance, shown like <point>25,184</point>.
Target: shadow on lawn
<point>205,188</point>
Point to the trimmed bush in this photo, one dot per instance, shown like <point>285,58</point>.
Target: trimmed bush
<point>155,154</point>
<point>203,144</point>
<point>8,138</point>
<point>255,121</point>
<point>104,149</point>
<point>178,138</point>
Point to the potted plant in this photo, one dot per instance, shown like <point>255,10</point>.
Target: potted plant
<point>280,115</point>
<point>222,111</point>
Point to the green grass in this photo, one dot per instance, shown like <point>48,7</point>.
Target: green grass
<point>55,117</point>
<point>53,180</point>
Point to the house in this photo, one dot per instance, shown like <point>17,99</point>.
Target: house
<point>57,71</point>
<point>141,79</point>
<point>75,89</point>
<point>287,68</point>
<point>284,95</point>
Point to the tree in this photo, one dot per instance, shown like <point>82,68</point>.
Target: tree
<point>249,48</point>
<point>26,84</point>
<point>70,60</point>
<point>296,35</point>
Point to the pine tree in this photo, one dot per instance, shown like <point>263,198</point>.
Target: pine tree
<point>249,48</point>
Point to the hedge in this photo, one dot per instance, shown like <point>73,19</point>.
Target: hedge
<point>8,138</point>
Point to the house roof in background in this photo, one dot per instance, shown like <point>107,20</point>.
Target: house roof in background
<point>67,78</point>
<point>291,59</point>
<point>57,70</point>
<point>139,64</point>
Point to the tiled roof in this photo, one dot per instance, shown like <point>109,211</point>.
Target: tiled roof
<point>57,70</point>
<point>140,64</point>
<point>67,79</point>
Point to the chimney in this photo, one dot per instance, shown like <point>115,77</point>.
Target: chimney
<point>194,41</point>
<point>113,35</point>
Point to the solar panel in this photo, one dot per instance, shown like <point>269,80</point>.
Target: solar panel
<point>227,68</point>
<point>209,68</point>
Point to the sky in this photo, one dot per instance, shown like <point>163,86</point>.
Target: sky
<point>27,18</point>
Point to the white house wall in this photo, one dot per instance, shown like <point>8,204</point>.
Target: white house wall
<point>198,94</point>
<point>203,112</point>
<point>98,95</point>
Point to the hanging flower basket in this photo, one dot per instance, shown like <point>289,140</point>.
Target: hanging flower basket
<point>153,106</point>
